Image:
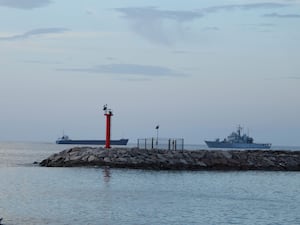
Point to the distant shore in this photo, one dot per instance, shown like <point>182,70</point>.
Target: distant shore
<point>268,160</point>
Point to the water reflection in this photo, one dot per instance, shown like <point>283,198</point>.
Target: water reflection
<point>106,174</point>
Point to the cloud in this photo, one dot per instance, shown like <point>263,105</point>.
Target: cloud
<point>89,12</point>
<point>296,78</point>
<point>151,23</point>
<point>166,26</point>
<point>283,16</point>
<point>252,6</point>
<point>33,61</point>
<point>179,52</point>
<point>293,78</point>
<point>24,4</point>
<point>110,58</point>
<point>32,33</point>
<point>153,12</point>
<point>128,69</point>
<point>214,28</point>
<point>266,25</point>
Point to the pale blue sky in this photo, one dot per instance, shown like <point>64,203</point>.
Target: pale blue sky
<point>197,68</point>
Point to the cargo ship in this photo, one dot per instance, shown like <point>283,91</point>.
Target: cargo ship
<point>67,141</point>
<point>236,140</point>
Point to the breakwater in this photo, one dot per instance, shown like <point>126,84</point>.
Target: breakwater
<point>176,160</point>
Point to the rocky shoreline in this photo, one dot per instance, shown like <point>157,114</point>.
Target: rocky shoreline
<point>176,160</point>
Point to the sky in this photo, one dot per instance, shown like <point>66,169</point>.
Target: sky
<point>197,68</point>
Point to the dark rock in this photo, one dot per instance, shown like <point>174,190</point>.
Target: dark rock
<point>176,160</point>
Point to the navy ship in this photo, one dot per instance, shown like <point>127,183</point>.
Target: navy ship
<point>66,140</point>
<point>236,140</point>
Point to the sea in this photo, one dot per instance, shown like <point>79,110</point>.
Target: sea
<point>34,195</point>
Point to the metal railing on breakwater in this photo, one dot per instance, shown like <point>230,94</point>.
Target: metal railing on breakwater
<point>161,143</point>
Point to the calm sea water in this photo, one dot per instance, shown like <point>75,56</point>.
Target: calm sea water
<point>34,195</point>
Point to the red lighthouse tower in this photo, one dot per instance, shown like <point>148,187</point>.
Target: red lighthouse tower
<point>108,113</point>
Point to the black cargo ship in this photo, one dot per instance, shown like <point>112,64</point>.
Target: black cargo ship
<point>67,141</point>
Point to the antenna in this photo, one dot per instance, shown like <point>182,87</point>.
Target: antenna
<point>239,130</point>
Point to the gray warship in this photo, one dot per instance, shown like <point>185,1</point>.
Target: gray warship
<point>236,140</point>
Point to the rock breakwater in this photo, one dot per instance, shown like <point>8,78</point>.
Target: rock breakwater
<point>176,160</point>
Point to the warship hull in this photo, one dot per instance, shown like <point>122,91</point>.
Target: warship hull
<point>219,144</point>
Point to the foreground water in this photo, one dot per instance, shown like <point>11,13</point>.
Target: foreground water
<point>35,196</point>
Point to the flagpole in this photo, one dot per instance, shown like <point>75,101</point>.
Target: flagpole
<point>157,128</point>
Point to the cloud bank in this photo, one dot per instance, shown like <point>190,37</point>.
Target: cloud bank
<point>152,12</point>
<point>252,6</point>
<point>150,22</point>
<point>35,32</point>
<point>128,69</point>
<point>282,16</point>
<point>154,24</point>
<point>24,4</point>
